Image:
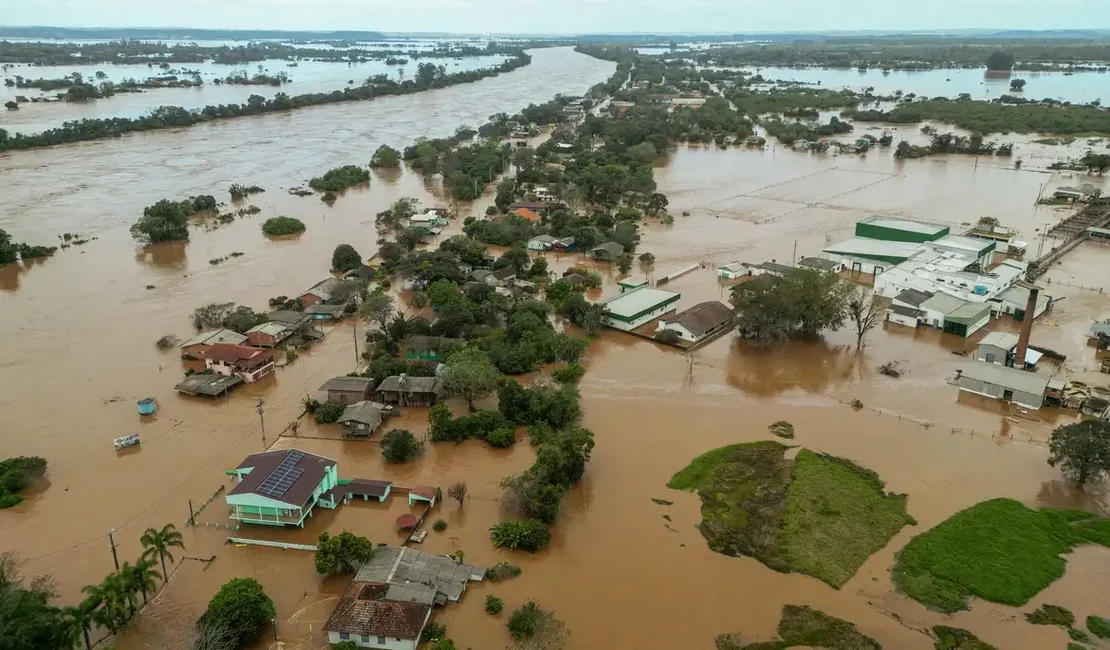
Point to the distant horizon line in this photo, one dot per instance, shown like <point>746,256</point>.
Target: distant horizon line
<point>966,31</point>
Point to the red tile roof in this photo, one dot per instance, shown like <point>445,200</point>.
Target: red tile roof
<point>527,214</point>
<point>360,613</point>
<point>229,353</point>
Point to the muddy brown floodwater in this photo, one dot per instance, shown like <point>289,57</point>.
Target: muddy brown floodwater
<point>78,334</point>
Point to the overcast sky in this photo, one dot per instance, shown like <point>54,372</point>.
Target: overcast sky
<point>562,16</point>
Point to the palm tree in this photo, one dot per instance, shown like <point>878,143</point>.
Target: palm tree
<point>106,602</point>
<point>127,587</point>
<point>157,545</point>
<point>144,577</point>
<point>75,621</point>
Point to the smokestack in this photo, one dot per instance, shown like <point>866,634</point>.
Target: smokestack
<point>1026,328</point>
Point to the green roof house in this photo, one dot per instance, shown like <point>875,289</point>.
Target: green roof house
<point>280,488</point>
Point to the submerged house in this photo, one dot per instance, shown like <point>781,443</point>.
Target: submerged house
<point>361,419</point>
<point>628,310</point>
<point>955,316</point>
<point>732,271</point>
<point>1002,383</point>
<point>409,391</point>
<point>1001,348</point>
<point>431,348</point>
<point>194,347</point>
<point>268,334</point>
<point>905,308</point>
<point>607,252</point>
<point>280,488</point>
<point>246,363</point>
<point>698,322</point>
<point>348,390</point>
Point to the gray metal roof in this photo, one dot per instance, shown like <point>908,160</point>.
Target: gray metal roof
<point>943,303</point>
<point>211,385</point>
<point>215,336</point>
<point>348,384</point>
<point>1004,340</point>
<point>365,412</point>
<point>416,576</point>
<point>1006,377</point>
<point>819,263</point>
<point>913,297</point>
<point>411,384</point>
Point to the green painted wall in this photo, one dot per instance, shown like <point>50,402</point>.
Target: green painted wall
<point>872,231</point>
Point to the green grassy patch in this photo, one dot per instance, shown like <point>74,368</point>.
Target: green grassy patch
<point>954,638</point>
<point>997,550</point>
<point>1051,615</point>
<point>816,514</point>
<point>802,626</point>
<point>743,493</point>
<point>837,515</point>
<point>1099,626</point>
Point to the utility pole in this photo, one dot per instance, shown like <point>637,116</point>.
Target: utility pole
<point>192,515</point>
<point>112,543</point>
<point>354,333</point>
<point>794,255</point>
<point>261,420</point>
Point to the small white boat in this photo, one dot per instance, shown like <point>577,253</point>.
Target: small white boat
<point>127,441</point>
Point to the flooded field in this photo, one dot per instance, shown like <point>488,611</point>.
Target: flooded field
<point>1080,87</point>
<point>306,76</point>
<point>80,331</point>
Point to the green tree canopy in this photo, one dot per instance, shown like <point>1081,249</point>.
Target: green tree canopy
<point>282,225</point>
<point>242,609</point>
<point>400,446</point>
<point>1082,450</point>
<point>802,303</point>
<point>999,60</point>
<point>164,221</point>
<point>386,156</point>
<point>345,258</point>
<point>343,553</point>
<point>470,375</point>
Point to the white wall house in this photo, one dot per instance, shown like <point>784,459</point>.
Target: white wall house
<point>373,641</point>
<point>732,271</point>
<point>631,309</point>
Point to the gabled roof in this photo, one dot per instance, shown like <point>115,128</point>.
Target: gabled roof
<point>1012,378</point>
<point>215,336</point>
<point>908,312</point>
<point>1004,340</point>
<point>506,273</point>
<point>610,247</point>
<point>327,310</point>
<point>411,384</point>
<point>702,317</point>
<point>228,353</point>
<point>348,384</point>
<point>361,612</point>
<point>287,476</point>
<point>543,239</point>
<point>324,288</point>
<point>528,205</point>
<point>943,303</point>
<point>527,214</point>
<point>288,316</point>
<point>365,412</point>
<point>271,328</point>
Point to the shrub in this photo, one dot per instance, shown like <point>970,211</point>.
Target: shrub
<point>400,446</point>
<point>329,197</point>
<point>494,605</point>
<point>669,337</point>
<point>1098,625</point>
<point>433,631</point>
<point>9,500</point>
<point>443,644</point>
<point>340,178</point>
<point>525,535</point>
<point>439,526</point>
<point>275,226</point>
<point>241,608</point>
<point>164,221</point>
<point>1051,615</point>
<point>782,429</point>
<point>569,374</point>
<point>504,571</point>
<point>385,156</point>
<point>501,438</point>
<point>328,413</point>
<point>526,621</point>
<point>310,404</point>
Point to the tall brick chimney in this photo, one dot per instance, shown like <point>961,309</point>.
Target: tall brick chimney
<point>1026,328</point>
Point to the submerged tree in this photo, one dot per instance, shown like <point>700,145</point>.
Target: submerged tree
<point>865,313</point>
<point>157,544</point>
<point>801,303</point>
<point>1082,450</point>
<point>470,375</point>
<point>164,221</point>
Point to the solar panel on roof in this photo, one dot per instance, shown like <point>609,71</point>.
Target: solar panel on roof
<point>283,477</point>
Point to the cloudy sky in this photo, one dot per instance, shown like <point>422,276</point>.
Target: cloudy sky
<point>562,16</point>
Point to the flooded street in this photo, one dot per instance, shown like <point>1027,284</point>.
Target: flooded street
<point>79,332</point>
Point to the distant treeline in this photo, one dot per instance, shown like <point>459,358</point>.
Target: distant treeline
<point>428,76</point>
<point>985,117</point>
<point>911,54</point>
<point>121,52</point>
<point>183,34</point>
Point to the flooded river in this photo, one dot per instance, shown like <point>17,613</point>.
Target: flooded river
<point>79,332</point>
<point>306,76</point>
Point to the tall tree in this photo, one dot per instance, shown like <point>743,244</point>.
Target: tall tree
<point>343,553</point>
<point>865,313</point>
<point>470,375</point>
<point>1082,450</point>
<point>345,258</point>
<point>242,609</point>
<point>157,544</point>
<point>377,309</point>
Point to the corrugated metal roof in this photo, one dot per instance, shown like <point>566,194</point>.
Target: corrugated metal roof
<point>1006,377</point>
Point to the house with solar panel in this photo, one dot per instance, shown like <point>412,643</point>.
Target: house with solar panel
<point>281,488</point>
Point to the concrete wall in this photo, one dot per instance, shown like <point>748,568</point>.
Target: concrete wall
<point>991,354</point>
<point>979,324</point>
<point>908,321</point>
<point>682,332</point>
<point>373,641</point>
<point>627,327</point>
